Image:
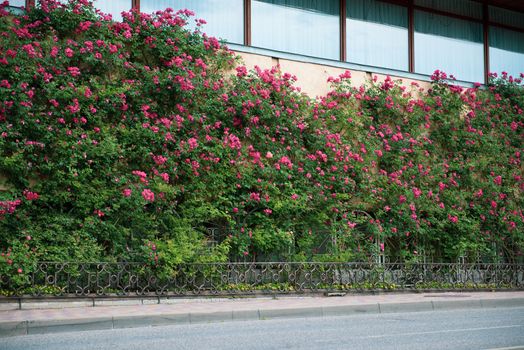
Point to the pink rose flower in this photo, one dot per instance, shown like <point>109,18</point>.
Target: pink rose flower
<point>148,195</point>
<point>31,196</point>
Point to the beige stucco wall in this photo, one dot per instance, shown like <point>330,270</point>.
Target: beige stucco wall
<point>311,77</point>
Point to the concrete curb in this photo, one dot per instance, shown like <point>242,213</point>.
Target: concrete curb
<point>63,303</point>
<point>9,329</point>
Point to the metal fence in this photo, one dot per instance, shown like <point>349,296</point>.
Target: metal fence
<point>135,279</point>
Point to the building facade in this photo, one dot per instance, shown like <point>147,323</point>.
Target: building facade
<point>314,39</point>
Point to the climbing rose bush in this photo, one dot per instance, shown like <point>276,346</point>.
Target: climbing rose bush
<point>130,140</point>
<point>443,173</point>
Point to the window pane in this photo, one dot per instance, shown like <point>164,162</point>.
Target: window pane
<point>377,34</point>
<point>450,45</point>
<point>460,7</point>
<point>305,27</point>
<point>506,51</point>
<point>225,18</point>
<point>503,16</point>
<point>17,3</point>
<point>15,7</point>
<point>113,7</point>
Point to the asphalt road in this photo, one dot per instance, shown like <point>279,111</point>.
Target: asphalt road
<point>458,329</point>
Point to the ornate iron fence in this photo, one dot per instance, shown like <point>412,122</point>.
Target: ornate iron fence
<point>135,279</point>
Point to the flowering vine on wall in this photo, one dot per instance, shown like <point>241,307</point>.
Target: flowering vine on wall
<point>127,140</point>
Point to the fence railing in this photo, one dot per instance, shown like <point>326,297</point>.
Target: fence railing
<point>135,279</point>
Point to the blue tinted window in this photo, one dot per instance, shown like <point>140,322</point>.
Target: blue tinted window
<point>113,7</point>
<point>506,51</point>
<point>225,18</point>
<point>17,3</point>
<point>450,45</point>
<point>305,27</point>
<point>377,34</point>
<point>15,7</point>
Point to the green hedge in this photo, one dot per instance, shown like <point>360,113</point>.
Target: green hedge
<point>127,141</point>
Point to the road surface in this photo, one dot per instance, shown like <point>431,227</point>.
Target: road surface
<point>501,328</point>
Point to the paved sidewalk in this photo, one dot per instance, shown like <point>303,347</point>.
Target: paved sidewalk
<point>186,311</point>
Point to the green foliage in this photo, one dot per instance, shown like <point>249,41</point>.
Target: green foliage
<point>130,141</point>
